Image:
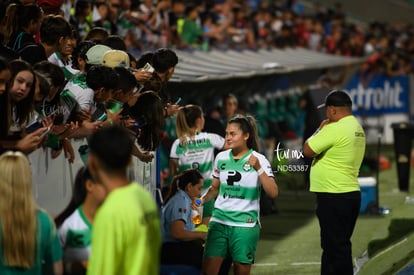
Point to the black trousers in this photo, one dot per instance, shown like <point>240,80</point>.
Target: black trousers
<point>182,253</point>
<point>337,215</point>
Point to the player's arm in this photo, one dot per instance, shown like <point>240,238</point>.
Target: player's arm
<point>178,232</point>
<point>307,151</point>
<point>173,166</point>
<point>266,178</point>
<point>212,192</point>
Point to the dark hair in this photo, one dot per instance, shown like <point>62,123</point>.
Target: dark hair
<point>247,125</point>
<point>132,60</point>
<point>44,85</point>
<point>82,5</point>
<point>112,146</point>
<point>4,104</point>
<point>189,9</point>
<point>99,76</point>
<point>115,42</point>
<point>155,84</point>
<point>52,28</point>
<point>19,17</point>
<point>80,51</point>
<point>56,78</point>
<point>145,58</point>
<point>4,65</point>
<point>25,106</point>
<point>51,71</point>
<point>24,14</point>
<point>149,107</point>
<point>189,176</point>
<point>126,81</point>
<point>229,96</point>
<point>164,59</point>
<point>97,34</point>
<point>78,195</point>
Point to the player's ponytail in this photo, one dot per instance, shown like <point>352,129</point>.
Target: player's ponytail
<point>186,122</point>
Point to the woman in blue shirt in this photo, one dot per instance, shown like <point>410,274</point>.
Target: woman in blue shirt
<point>180,243</point>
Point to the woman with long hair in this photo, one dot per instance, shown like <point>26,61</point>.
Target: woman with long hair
<point>21,24</point>
<point>29,142</point>
<point>50,87</point>
<point>238,176</point>
<point>27,234</point>
<point>75,222</point>
<point>179,243</point>
<point>147,113</point>
<point>21,94</point>
<point>195,149</point>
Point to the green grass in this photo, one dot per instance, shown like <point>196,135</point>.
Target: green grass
<point>398,228</point>
<point>290,241</point>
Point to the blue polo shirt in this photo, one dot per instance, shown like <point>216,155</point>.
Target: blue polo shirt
<point>177,208</point>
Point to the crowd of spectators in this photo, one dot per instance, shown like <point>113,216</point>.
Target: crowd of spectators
<point>203,24</point>
<point>138,27</point>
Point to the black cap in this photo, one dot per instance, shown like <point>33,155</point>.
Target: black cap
<point>336,98</point>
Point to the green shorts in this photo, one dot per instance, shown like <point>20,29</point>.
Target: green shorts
<point>239,242</point>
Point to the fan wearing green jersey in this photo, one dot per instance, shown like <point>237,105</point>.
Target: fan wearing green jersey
<point>238,176</point>
<point>195,149</point>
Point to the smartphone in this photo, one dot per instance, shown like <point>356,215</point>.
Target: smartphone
<point>33,127</point>
<point>148,68</point>
<point>45,132</point>
<point>114,106</point>
<point>178,101</point>
<point>139,123</point>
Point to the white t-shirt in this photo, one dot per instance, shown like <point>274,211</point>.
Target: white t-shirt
<point>75,237</point>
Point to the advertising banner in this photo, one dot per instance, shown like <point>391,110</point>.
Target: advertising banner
<point>382,95</point>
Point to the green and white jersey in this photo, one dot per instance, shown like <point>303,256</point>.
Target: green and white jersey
<point>198,153</point>
<point>77,96</point>
<point>238,200</point>
<point>69,72</point>
<point>124,25</point>
<point>75,237</point>
<point>83,95</point>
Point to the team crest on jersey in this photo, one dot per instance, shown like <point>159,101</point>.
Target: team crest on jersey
<point>246,167</point>
<point>195,165</point>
